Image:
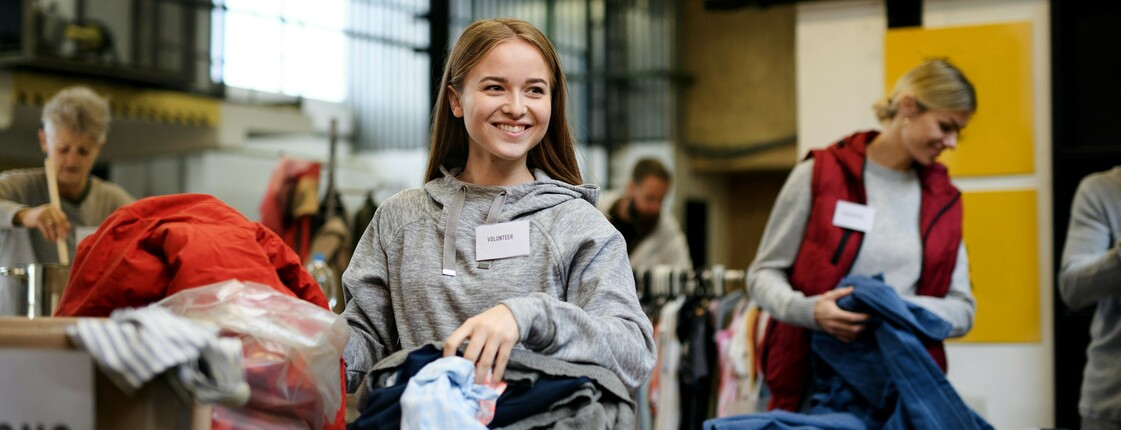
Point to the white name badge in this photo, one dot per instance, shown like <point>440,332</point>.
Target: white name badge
<point>853,216</point>
<point>508,239</point>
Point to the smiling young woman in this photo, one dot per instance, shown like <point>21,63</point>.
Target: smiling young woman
<point>503,249</point>
<point>505,104</point>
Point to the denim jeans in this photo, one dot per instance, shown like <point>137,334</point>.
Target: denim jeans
<point>783,420</point>
<point>886,377</point>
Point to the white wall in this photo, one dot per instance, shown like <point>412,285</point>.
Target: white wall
<point>839,69</point>
<point>840,74</point>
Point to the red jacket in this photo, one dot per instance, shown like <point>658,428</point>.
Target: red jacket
<point>828,252</point>
<point>158,246</point>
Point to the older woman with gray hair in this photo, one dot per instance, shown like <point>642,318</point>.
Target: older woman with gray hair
<point>75,124</point>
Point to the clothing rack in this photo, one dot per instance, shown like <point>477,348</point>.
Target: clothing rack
<point>724,281</point>
<point>667,281</point>
<point>704,322</point>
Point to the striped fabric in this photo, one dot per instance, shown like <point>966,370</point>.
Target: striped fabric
<point>134,346</point>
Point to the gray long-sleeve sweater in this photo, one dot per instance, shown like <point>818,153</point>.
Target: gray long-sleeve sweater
<point>1091,274</point>
<point>27,188</point>
<point>573,296</point>
<point>892,247</point>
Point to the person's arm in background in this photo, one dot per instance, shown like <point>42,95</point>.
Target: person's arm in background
<point>1091,264</point>
<point>18,188</point>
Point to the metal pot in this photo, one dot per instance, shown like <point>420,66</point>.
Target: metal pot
<point>33,290</point>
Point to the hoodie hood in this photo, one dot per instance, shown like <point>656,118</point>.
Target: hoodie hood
<point>501,204</point>
<point>522,199</point>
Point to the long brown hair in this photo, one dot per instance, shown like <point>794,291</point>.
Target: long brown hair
<point>448,146</point>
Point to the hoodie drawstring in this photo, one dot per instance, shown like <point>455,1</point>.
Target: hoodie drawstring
<point>453,222</point>
<point>449,231</point>
<point>495,211</point>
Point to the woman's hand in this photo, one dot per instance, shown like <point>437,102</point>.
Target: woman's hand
<point>490,337</point>
<point>50,221</point>
<point>842,324</point>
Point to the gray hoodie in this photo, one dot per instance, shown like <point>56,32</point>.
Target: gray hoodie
<point>573,296</point>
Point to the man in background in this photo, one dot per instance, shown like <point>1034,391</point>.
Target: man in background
<point>653,238</point>
<point>1090,276</point>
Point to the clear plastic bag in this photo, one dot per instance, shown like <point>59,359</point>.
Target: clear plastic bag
<point>292,352</point>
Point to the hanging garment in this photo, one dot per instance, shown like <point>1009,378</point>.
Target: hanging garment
<point>291,201</point>
<point>321,217</point>
<point>736,362</point>
<point>698,358</point>
<point>665,400</point>
<point>363,216</point>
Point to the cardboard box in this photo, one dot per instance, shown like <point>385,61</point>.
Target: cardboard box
<point>154,406</point>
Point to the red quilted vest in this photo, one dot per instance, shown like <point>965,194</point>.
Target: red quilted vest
<point>828,252</point>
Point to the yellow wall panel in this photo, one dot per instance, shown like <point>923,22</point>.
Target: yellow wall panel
<point>1001,238</point>
<point>997,59</point>
<point>125,101</point>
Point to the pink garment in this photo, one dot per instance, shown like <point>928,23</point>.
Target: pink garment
<point>728,384</point>
<point>486,407</point>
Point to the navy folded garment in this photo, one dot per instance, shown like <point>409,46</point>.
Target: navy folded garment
<point>886,377</point>
<point>522,399</point>
<point>383,409</point>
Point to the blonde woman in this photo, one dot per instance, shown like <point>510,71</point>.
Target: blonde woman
<point>911,232</point>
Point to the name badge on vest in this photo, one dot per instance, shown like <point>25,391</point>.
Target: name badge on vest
<point>853,216</point>
<point>508,239</point>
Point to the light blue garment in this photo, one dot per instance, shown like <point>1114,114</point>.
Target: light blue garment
<point>443,395</point>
